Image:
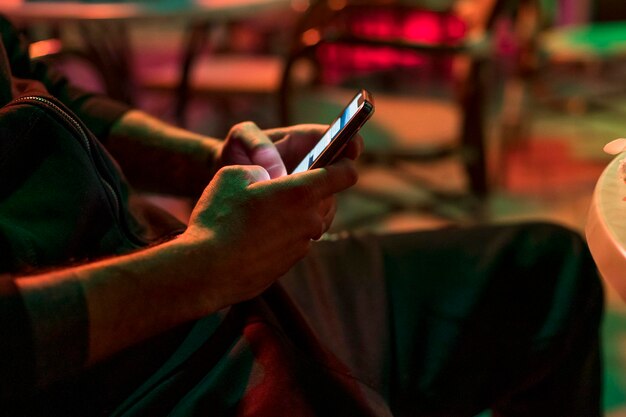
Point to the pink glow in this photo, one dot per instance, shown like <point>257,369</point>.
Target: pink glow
<point>422,26</point>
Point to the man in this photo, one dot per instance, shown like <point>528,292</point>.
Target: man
<point>241,312</point>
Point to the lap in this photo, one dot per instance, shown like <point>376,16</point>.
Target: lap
<point>436,317</point>
<point>448,315</point>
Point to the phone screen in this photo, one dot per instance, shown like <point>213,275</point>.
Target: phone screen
<point>340,127</point>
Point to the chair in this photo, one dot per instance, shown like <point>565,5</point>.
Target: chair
<point>585,64</point>
<point>575,66</point>
<point>209,64</point>
<point>384,46</point>
<point>568,65</point>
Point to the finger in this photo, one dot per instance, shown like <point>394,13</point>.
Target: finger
<point>353,148</point>
<point>309,132</point>
<point>269,158</point>
<point>307,189</point>
<point>255,173</point>
<point>259,147</point>
<point>325,182</point>
<point>327,211</point>
<point>322,230</point>
<point>315,226</point>
<point>325,205</point>
<point>295,142</point>
<point>294,149</point>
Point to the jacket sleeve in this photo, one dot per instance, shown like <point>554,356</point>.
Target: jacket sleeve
<point>17,357</point>
<point>97,111</point>
<point>43,333</point>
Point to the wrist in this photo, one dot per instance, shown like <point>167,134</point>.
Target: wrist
<point>159,157</point>
<point>136,296</point>
<point>191,268</point>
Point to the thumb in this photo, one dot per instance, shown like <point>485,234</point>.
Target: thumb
<point>254,173</point>
<point>269,158</point>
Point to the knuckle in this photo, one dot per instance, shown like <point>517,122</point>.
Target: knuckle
<point>228,172</point>
<point>231,179</point>
<point>238,129</point>
<point>235,130</point>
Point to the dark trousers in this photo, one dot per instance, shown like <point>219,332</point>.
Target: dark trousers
<point>438,323</point>
<point>453,322</point>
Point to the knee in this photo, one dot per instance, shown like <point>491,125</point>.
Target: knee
<point>550,235</point>
<point>550,246</point>
<point>559,257</point>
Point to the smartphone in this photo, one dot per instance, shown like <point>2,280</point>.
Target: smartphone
<point>341,130</point>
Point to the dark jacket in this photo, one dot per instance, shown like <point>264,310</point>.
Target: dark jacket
<point>63,200</point>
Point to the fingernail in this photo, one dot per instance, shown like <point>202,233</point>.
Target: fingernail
<point>270,160</point>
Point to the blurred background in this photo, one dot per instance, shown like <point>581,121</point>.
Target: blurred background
<point>487,110</point>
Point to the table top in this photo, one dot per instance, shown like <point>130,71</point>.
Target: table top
<point>46,11</point>
<point>593,41</point>
<point>606,225</point>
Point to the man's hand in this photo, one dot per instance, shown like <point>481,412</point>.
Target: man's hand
<point>278,150</point>
<point>250,229</point>
<point>245,232</point>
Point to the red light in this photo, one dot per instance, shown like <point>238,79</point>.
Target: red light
<point>422,26</point>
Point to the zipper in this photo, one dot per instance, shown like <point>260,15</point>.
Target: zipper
<point>85,140</point>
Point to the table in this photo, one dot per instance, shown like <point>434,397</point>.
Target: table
<point>606,226</point>
<point>103,29</point>
<point>21,11</point>
<point>593,42</point>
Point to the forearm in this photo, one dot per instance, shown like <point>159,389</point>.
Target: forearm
<point>128,299</point>
<point>157,156</point>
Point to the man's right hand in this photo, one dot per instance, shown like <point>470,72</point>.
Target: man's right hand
<point>249,230</point>
<point>245,232</point>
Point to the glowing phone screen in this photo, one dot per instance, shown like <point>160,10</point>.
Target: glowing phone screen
<point>328,137</point>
